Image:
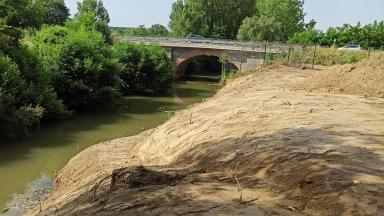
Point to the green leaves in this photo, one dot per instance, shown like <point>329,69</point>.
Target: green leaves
<point>259,20</point>
<point>308,37</point>
<point>16,109</point>
<point>33,13</point>
<point>154,30</point>
<point>260,29</point>
<point>81,66</point>
<point>277,20</point>
<point>368,36</point>
<point>209,18</point>
<point>144,68</point>
<point>92,15</point>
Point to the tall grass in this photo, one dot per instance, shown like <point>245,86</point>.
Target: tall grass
<point>323,56</point>
<point>303,56</point>
<point>229,75</point>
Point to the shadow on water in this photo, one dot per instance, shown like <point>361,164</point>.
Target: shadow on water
<point>53,135</point>
<point>191,93</point>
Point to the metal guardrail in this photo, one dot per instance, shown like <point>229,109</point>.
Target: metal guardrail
<point>211,43</point>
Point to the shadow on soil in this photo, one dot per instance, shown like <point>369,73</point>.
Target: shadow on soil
<point>314,168</point>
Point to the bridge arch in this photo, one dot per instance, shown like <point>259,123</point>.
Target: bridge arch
<point>183,60</point>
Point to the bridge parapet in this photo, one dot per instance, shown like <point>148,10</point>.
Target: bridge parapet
<point>210,43</point>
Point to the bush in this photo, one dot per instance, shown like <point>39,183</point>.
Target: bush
<point>144,68</point>
<point>79,63</point>
<point>324,56</point>
<point>368,36</point>
<point>309,37</point>
<point>24,87</point>
<point>15,115</point>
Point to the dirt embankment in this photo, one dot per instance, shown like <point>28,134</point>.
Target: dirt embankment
<point>365,78</point>
<point>258,147</point>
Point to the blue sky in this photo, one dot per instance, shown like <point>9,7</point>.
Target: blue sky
<point>325,12</point>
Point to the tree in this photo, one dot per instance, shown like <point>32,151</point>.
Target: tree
<point>309,37</point>
<point>177,19</point>
<point>93,14</point>
<point>158,30</point>
<point>277,20</point>
<point>26,95</point>
<point>83,73</point>
<point>56,13</point>
<point>260,29</point>
<point>22,13</point>
<point>97,7</point>
<point>11,91</point>
<point>144,67</point>
<point>139,31</point>
<point>311,24</point>
<point>33,13</point>
<point>210,18</point>
<point>288,13</point>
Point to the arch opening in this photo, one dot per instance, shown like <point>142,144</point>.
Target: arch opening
<point>204,67</point>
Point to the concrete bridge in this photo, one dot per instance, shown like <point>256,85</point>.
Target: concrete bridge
<point>243,55</point>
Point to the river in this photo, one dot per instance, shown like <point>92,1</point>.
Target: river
<point>46,151</point>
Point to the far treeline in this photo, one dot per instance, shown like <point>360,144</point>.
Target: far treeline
<point>257,20</point>
<point>52,66</point>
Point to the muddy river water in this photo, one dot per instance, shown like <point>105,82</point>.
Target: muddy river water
<point>49,149</point>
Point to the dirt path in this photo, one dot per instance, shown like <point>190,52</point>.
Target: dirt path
<point>256,148</point>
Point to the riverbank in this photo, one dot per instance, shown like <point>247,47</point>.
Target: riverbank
<point>261,146</point>
<point>46,151</point>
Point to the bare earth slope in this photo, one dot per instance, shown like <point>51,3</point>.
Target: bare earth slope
<point>365,78</point>
<point>256,148</point>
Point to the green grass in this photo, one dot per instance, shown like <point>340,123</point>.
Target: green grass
<point>304,57</point>
<point>324,56</point>
<point>225,76</point>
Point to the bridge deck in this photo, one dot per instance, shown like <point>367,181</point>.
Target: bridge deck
<point>209,44</point>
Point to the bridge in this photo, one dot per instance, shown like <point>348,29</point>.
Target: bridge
<point>243,55</point>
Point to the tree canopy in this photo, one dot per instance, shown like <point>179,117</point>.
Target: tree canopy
<point>51,67</point>
<point>246,19</point>
<point>209,18</point>
<point>368,36</point>
<point>277,20</point>
<point>153,30</point>
<point>33,13</point>
<point>260,29</point>
<point>93,15</point>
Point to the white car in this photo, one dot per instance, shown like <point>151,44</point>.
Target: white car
<point>350,47</point>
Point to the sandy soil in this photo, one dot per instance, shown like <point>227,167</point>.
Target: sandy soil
<point>365,78</point>
<point>259,147</point>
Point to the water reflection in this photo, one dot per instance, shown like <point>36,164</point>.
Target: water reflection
<point>50,148</point>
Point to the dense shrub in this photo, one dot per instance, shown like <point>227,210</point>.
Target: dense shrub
<point>55,70</point>
<point>144,67</point>
<point>79,63</point>
<point>15,112</point>
<point>25,91</point>
<point>33,13</point>
<point>308,37</point>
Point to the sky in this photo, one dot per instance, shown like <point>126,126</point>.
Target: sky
<point>327,13</point>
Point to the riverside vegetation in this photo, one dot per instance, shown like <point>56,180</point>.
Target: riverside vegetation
<point>51,68</point>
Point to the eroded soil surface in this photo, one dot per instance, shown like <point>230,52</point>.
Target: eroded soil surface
<point>259,147</point>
